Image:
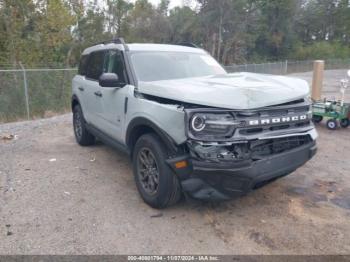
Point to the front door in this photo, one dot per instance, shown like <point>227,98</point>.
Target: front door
<point>92,91</point>
<point>113,99</point>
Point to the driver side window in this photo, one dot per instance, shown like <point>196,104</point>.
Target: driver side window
<point>95,65</point>
<point>115,64</point>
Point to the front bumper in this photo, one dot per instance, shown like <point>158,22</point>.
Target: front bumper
<point>214,181</point>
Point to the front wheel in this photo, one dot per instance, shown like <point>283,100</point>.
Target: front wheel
<point>344,122</point>
<point>156,182</point>
<point>332,124</point>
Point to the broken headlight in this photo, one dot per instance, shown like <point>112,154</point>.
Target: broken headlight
<point>209,126</point>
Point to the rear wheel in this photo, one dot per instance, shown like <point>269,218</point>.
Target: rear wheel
<point>82,135</point>
<point>344,122</point>
<point>317,119</point>
<point>156,182</point>
<point>332,124</point>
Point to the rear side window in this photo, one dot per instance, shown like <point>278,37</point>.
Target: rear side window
<point>95,65</point>
<point>83,65</point>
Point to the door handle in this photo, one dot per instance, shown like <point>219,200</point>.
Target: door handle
<point>98,93</point>
<point>81,88</point>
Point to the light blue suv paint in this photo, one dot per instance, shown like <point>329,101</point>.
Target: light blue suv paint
<point>212,120</point>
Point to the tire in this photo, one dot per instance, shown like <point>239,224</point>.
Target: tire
<point>317,118</point>
<point>82,135</point>
<point>344,122</point>
<point>332,124</point>
<point>157,184</point>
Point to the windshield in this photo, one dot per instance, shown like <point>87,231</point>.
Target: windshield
<point>155,66</point>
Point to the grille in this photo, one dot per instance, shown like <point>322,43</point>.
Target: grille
<point>278,145</point>
<point>256,130</point>
<point>255,122</point>
<point>269,114</point>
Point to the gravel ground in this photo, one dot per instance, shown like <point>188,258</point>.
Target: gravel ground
<point>59,198</point>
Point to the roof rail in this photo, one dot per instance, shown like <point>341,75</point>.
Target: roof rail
<point>117,40</point>
<point>188,44</point>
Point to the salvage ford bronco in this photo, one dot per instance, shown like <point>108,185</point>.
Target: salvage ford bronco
<point>189,126</point>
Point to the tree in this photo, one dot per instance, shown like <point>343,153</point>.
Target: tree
<point>184,26</point>
<point>163,7</point>
<point>89,28</point>
<point>148,24</point>
<point>233,31</point>
<point>53,31</point>
<point>117,12</point>
<point>140,21</point>
<point>227,28</point>
<point>17,22</point>
<point>276,32</point>
<point>325,20</point>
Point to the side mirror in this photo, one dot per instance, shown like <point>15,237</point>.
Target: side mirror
<point>348,73</point>
<point>110,80</point>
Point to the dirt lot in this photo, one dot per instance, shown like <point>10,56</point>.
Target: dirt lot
<point>59,198</point>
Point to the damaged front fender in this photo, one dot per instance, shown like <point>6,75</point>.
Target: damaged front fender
<point>169,118</point>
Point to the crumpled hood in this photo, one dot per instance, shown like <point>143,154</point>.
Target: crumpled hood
<point>232,91</point>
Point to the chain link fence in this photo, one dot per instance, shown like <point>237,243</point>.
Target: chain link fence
<point>288,67</point>
<point>34,93</point>
<point>28,93</point>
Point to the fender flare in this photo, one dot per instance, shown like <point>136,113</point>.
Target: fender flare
<point>74,101</point>
<point>134,130</point>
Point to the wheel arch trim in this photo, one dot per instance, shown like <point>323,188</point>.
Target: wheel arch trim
<point>74,100</point>
<point>135,129</point>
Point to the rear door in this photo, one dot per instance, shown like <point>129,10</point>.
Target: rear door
<point>92,90</point>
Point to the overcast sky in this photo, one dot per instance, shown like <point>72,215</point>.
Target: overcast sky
<point>173,3</point>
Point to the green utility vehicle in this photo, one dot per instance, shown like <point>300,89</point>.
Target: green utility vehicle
<point>334,111</point>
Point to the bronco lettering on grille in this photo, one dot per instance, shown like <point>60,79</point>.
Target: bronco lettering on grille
<point>276,120</point>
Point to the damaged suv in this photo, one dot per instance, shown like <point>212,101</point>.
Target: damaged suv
<point>189,126</point>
